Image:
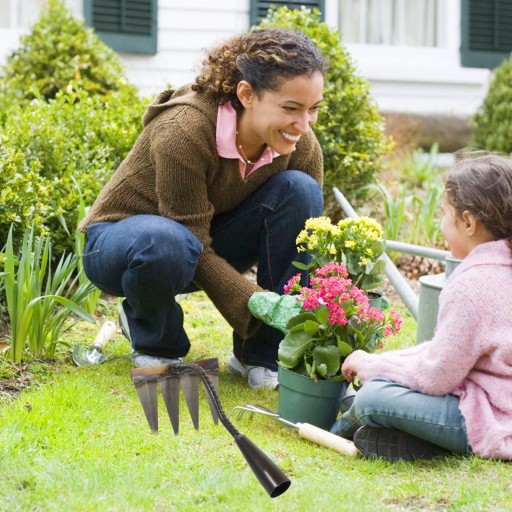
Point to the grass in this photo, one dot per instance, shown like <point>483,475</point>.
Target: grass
<point>79,441</point>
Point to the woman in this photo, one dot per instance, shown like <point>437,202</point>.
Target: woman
<point>223,176</point>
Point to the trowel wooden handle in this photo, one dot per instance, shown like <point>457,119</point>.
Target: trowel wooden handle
<point>327,439</point>
<point>106,332</point>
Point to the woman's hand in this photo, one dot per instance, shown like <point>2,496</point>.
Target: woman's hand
<point>350,366</point>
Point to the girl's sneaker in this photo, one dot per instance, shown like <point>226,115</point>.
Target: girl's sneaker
<point>393,445</point>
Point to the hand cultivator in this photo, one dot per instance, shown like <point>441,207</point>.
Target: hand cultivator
<point>306,431</point>
<point>170,377</point>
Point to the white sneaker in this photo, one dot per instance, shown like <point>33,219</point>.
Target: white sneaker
<point>142,360</point>
<point>257,376</point>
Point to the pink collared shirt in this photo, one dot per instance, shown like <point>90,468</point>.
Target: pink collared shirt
<point>226,141</point>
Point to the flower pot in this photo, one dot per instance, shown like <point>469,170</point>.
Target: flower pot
<point>302,400</point>
<point>377,300</point>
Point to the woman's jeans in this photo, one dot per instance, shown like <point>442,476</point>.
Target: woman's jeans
<point>149,259</point>
<point>384,404</point>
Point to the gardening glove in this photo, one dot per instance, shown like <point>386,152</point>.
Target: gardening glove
<point>274,309</point>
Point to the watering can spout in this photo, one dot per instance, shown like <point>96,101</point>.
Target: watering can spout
<point>270,476</point>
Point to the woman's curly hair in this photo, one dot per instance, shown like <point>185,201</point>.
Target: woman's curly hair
<point>263,58</point>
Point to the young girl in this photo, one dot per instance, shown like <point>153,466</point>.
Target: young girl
<point>453,393</point>
<point>223,175</point>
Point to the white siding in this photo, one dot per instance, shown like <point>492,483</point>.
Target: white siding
<point>185,28</point>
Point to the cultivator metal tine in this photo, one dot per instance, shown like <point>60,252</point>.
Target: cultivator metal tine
<point>190,386</point>
<point>170,377</point>
<point>147,392</point>
<point>171,394</point>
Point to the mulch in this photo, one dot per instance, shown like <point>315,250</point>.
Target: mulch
<point>10,388</point>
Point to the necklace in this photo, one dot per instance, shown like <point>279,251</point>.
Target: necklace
<point>242,154</point>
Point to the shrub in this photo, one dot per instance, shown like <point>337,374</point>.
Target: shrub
<point>493,120</point>
<point>44,146</point>
<point>67,115</point>
<point>59,50</point>
<point>349,129</point>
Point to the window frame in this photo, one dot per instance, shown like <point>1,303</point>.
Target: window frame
<point>470,57</point>
<point>123,42</point>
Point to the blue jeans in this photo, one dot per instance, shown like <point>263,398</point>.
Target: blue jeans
<point>384,404</point>
<point>150,259</point>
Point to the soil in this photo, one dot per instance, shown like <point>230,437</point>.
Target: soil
<point>11,387</point>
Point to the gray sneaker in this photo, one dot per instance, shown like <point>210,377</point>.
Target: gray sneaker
<point>257,376</point>
<point>142,360</point>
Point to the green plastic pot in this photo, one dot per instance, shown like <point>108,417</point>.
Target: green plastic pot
<point>302,400</point>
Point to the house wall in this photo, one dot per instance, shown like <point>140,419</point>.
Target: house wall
<point>403,79</point>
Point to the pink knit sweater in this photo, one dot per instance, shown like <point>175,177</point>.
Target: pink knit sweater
<point>470,355</point>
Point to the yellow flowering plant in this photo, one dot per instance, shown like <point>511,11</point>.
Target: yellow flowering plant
<point>357,243</point>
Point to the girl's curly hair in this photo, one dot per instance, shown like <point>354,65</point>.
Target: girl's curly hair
<point>263,57</point>
<point>481,183</point>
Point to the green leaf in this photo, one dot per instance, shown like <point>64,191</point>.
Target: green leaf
<point>322,315</point>
<point>300,319</point>
<point>344,348</point>
<point>293,347</point>
<point>327,359</point>
<point>302,266</point>
<point>311,327</point>
<point>73,307</point>
<point>378,267</point>
<point>378,248</point>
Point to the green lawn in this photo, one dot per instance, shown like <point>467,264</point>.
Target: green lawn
<point>79,441</point>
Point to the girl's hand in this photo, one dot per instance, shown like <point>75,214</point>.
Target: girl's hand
<point>350,366</point>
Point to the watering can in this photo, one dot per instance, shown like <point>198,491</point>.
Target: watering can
<point>425,307</point>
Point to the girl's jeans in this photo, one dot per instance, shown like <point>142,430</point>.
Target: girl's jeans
<point>150,259</point>
<point>385,404</point>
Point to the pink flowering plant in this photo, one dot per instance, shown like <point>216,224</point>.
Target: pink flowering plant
<point>335,319</point>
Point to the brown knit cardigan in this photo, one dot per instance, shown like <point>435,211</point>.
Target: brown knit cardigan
<point>173,170</point>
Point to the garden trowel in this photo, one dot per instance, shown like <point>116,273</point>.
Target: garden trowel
<point>85,357</point>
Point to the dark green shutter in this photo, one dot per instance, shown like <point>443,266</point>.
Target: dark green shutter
<point>259,9</point>
<point>486,32</point>
<point>125,25</point>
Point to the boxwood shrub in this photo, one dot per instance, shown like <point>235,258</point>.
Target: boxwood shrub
<point>493,121</point>
<point>349,128</point>
<point>67,114</point>
<point>45,144</point>
<point>58,50</point>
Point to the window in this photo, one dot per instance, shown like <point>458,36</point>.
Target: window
<point>389,22</point>
<point>18,14</point>
<point>125,25</point>
<point>486,37</point>
<point>259,8</point>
